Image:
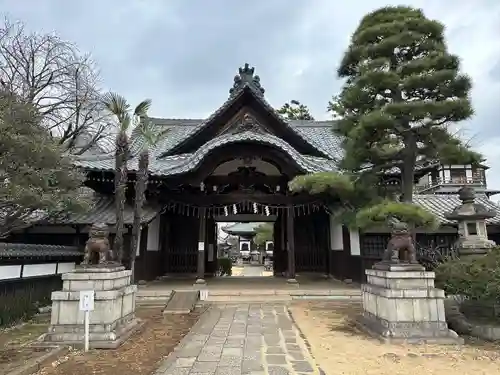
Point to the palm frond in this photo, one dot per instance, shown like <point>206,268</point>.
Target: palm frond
<point>149,133</point>
<point>142,108</point>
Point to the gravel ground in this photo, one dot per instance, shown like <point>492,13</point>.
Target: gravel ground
<point>339,348</point>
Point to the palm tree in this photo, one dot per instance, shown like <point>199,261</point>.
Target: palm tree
<point>127,119</point>
<point>149,138</point>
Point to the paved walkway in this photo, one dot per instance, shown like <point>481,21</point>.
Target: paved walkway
<point>248,339</point>
<point>248,270</point>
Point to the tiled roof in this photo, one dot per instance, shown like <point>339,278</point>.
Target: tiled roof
<point>440,204</point>
<point>241,228</point>
<point>21,250</point>
<point>308,164</point>
<point>317,134</point>
<point>177,164</point>
<point>103,211</point>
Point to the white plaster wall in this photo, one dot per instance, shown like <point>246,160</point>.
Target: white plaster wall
<point>10,272</point>
<point>31,270</point>
<point>336,239</point>
<point>355,245</point>
<point>138,248</point>
<point>65,267</point>
<point>153,243</point>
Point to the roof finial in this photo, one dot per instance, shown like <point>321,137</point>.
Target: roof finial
<point>246,77</point>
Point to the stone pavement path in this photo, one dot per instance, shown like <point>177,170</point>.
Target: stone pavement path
<point>247,339</point>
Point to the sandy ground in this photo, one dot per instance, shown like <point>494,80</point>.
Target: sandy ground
<point>339,348</point>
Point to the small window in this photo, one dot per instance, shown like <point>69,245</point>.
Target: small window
<point>245,247</point>
<point>472,229</point>
<point>458,176</point>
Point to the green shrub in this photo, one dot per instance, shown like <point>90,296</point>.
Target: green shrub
<point>477,278</point>
<point>224,267</point>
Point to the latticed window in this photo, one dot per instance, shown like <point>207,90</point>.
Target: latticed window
<point>373,245</point>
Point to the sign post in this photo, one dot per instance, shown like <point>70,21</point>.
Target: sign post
<point>87,305</point>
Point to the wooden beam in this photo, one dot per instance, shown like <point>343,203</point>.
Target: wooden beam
<point>232,198</point>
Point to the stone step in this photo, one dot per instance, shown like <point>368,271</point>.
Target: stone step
<point>247,298</point>
<point>182,302</point>
<point>156,297</point>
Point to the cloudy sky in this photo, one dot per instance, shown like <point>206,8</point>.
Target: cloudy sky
<point>183,54</point>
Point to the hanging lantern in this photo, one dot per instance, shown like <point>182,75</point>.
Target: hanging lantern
<point>214,188</point>
<point>278,188</point>
<point>226,213</point>
<point>235,209</point>
<point>267,211</point>
<point>255,211</point>
<point>202,186</point>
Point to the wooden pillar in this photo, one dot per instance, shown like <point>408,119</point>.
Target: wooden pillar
<point>201,250</point>
<point>290,239</point>
<point>211,246</point>
<point>277,247</point>
<point>283,243</point>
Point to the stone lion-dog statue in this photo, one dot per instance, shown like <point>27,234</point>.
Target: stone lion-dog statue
<point>98,242</point>
<point>400,248</point>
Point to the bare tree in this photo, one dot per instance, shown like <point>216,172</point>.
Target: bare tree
<point>63,85</point>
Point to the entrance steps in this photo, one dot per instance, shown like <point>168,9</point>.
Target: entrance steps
<point>278,296</point>
<point>159,297</point>
<point>182,302</point>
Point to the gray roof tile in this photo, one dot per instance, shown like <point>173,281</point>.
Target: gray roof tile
<point>21,250</point>
<point>309,164</point>
<point>440,204</point>
<point>103,211</point>
<point>177,164</point>
<point>242,228</point>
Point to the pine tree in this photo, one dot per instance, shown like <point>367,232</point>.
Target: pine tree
<point>295,110</point>
<point>37,182</point>
<point>402,91</point>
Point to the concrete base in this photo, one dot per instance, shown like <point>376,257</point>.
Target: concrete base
<point>113,319</point>
<point>401,304</point>
<point>199,282</point>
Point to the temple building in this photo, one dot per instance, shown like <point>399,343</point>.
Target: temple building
<point>235,166</point>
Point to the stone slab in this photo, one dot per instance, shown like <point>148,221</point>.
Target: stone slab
<point>259,347</point>
<point>398,267</point>
<point>182,302</point>
<point>76,339</point>
<point>407,332</point>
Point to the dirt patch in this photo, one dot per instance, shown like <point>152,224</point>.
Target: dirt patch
<point>14,345</point>
<point>340,348</point>
<point>140,354</point>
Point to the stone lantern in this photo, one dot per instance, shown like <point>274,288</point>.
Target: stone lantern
<point>471,218</point>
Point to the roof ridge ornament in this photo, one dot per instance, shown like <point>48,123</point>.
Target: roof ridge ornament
<point>245,77</point>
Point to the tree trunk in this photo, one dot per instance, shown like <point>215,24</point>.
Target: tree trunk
<point>408,176</point>
<point>121,158</point>
<point>408,169</point>
<point>140,188</point>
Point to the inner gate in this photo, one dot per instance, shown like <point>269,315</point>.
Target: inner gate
<point>242,182</point>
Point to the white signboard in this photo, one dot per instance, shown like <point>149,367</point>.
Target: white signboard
<point>203,294</point>
<point>201,246</point>
<point>87,300</point>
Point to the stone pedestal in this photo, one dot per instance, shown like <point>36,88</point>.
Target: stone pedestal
<point>401,305</point>
<point>113,319</point>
